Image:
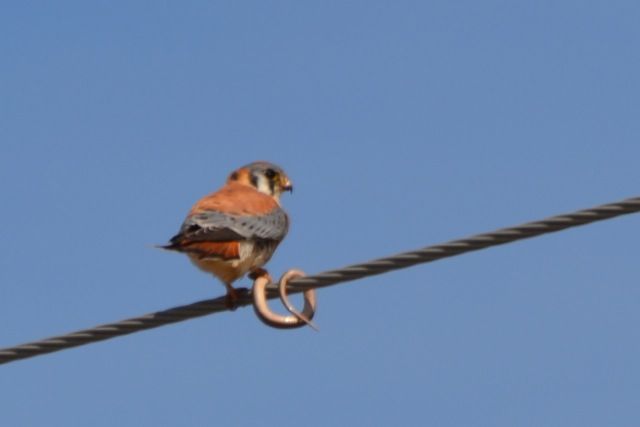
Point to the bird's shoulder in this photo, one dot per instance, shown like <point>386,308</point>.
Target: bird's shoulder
<point>236,199</point>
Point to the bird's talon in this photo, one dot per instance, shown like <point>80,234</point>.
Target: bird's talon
<point>231,300</point>
<point>259,272</point>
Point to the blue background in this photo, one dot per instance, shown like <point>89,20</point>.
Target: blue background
<point>401,124</point>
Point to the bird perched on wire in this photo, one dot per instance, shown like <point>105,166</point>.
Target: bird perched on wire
<point>235,230</point>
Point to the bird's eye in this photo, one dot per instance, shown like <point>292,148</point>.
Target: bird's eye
<point>270,173</point>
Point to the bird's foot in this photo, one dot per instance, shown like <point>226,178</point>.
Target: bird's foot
<point>259,272</point>
<point>233,297</point>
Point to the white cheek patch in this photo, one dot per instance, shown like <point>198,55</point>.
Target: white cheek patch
<point>263,185</point>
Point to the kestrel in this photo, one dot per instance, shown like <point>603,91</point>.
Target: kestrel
<point>235,230</point>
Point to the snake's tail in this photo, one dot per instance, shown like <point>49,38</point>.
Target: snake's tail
<point>304,318</point>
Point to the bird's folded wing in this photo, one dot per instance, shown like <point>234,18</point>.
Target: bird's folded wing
<point>212,226</point>
<point>212,233</point>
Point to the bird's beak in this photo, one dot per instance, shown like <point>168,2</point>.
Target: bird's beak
<point>286,185</point>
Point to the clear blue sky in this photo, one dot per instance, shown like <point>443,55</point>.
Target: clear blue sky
<point>401,124</point>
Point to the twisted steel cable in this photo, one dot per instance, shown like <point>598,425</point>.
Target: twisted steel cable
<point>349,273</point>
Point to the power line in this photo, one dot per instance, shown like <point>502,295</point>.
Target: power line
<point>353,272</point>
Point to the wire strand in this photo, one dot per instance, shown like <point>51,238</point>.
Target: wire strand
<point>328,278</point>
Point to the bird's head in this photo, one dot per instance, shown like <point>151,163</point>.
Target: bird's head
<point>265,177</point>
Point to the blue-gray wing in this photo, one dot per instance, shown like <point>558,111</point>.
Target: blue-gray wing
<point>214,226</point>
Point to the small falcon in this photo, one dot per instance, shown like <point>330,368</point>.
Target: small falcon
<point>235,230</point>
